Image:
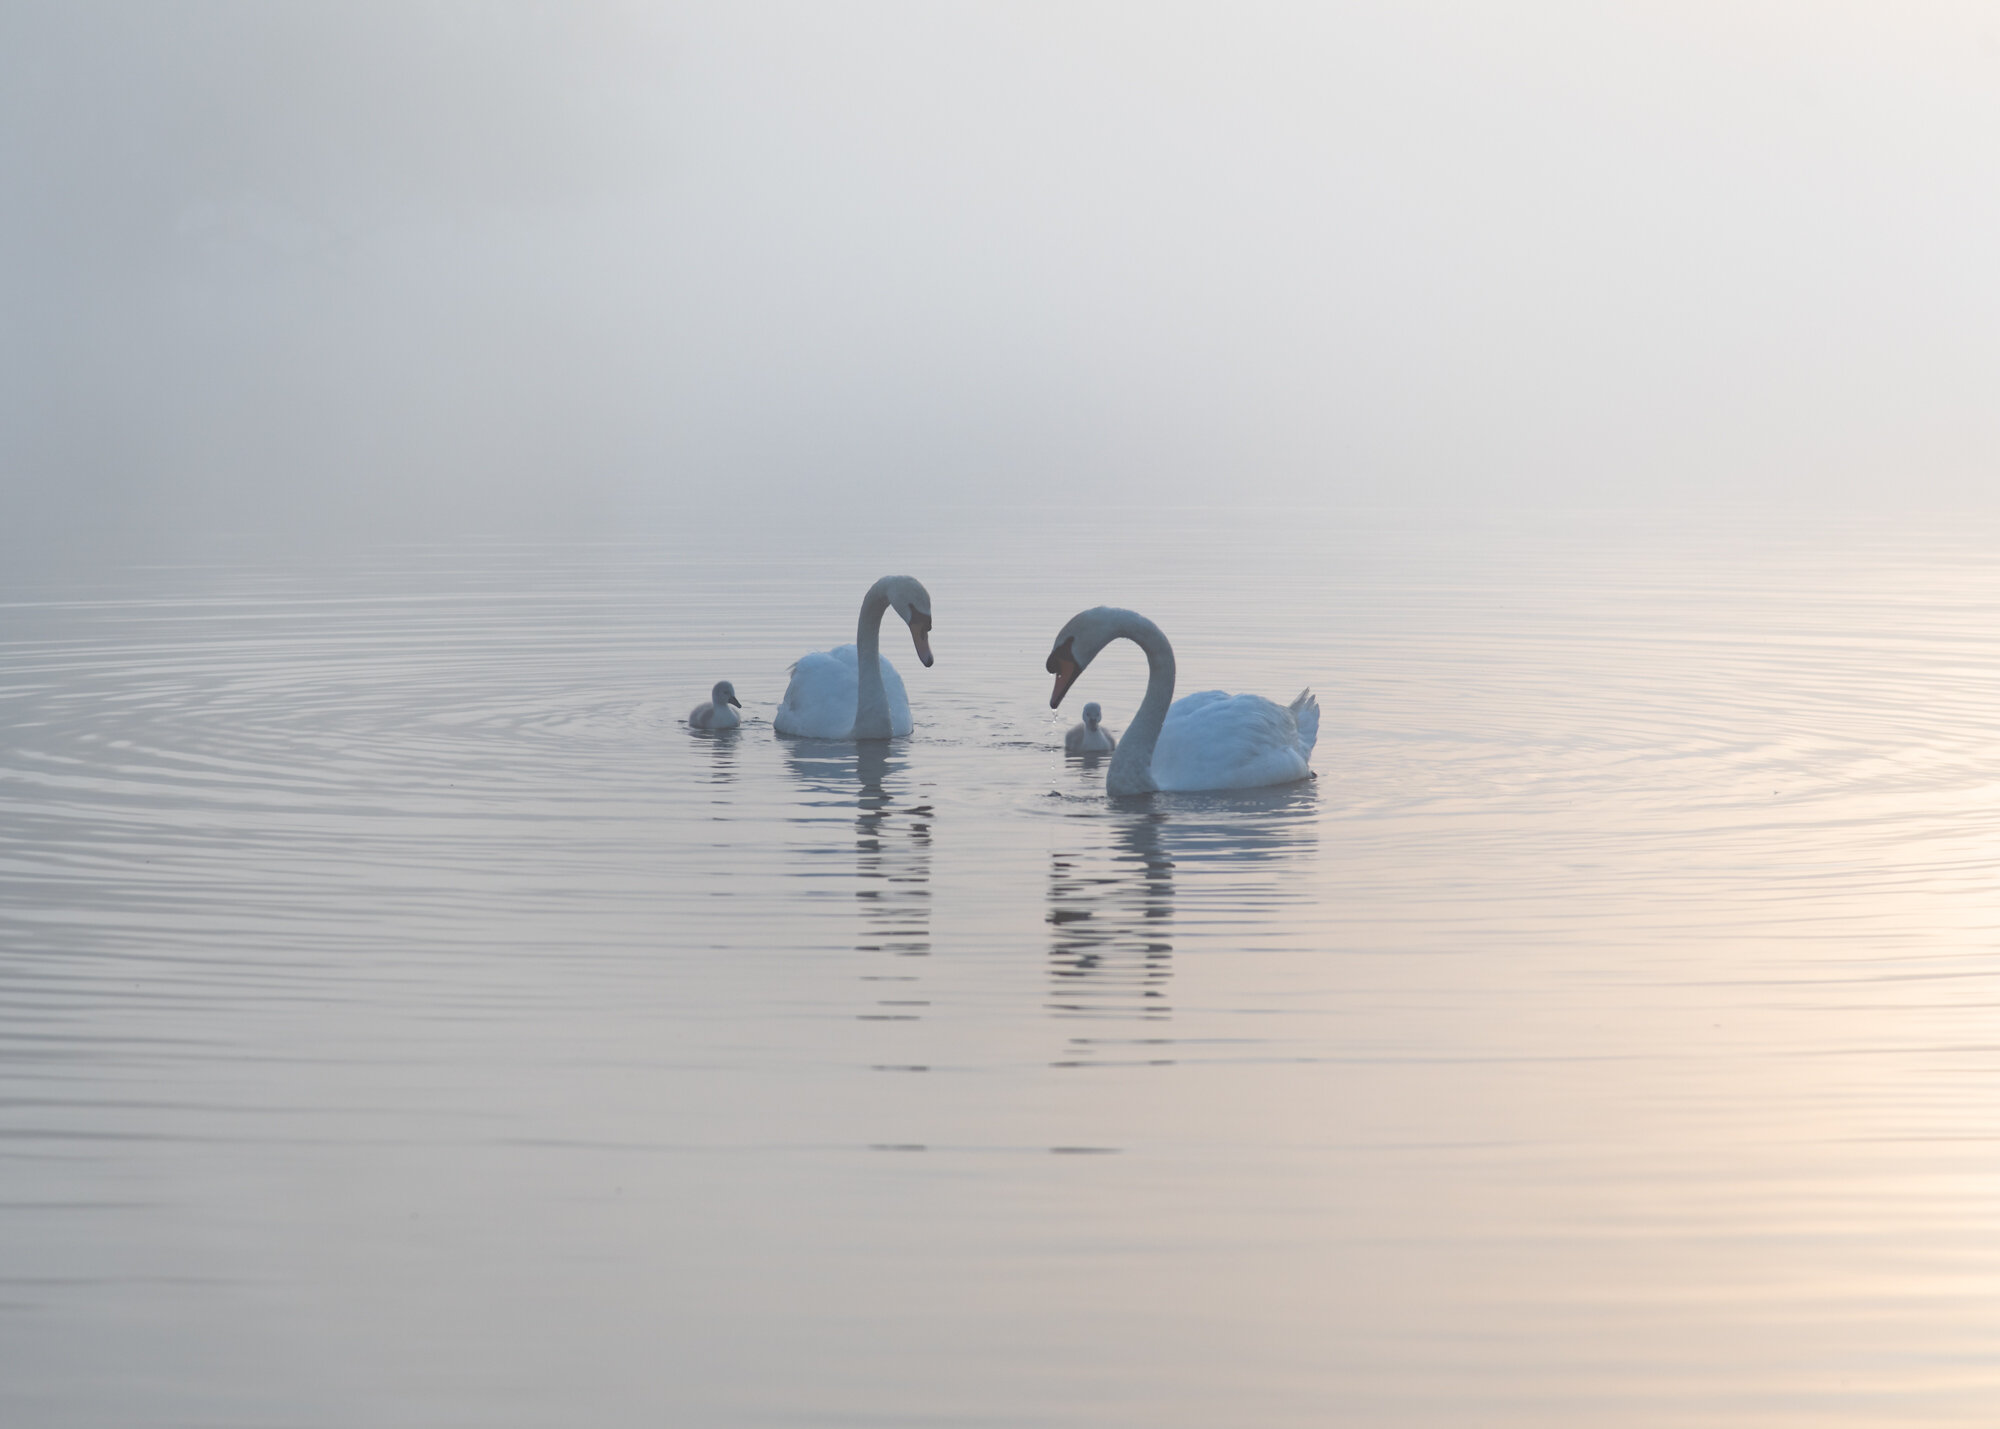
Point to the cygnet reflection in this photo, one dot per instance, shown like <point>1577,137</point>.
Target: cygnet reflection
<point>722,748</point>
<point>864,790</point>
<point>1111,949</point>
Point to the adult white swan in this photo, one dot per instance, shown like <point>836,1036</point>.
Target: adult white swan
<point>1207,741</point>
<point>852,692</point>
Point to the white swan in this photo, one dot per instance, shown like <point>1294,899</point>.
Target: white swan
<point>852,692</point>
<point>717,714</point>
<point>1090,737</point>
<point>1207,741</point>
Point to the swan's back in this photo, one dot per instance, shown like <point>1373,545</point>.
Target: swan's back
<point>1214,740</point>
<point>825,691</point>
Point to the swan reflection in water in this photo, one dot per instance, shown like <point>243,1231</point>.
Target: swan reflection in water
<point>1110,925</point>
<point>864,790</point>
<point>1111,904</point>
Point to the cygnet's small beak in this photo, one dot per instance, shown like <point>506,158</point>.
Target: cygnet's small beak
<point>731,697</point>
<point>920,636</point>
<point>1065,670</point>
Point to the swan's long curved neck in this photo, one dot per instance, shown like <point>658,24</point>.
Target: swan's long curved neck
<point>1131,769</point>
<point>871,708</point>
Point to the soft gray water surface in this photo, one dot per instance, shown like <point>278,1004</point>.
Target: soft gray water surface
<point>404,1021</point>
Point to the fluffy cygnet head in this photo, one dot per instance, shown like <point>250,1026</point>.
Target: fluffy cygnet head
<point>1092,713</point>
<point>724,693</point>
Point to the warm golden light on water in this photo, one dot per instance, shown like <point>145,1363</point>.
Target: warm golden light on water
<point>403,1004</point>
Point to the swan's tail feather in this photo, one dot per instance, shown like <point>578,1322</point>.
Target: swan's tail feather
<point>1305,712</point>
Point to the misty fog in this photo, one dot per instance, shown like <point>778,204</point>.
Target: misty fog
<point>465,267</point>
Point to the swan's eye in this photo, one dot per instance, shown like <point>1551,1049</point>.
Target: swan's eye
<point>1062,655</point>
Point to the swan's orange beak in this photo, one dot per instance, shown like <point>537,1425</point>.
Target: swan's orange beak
<point>920,636</point>
<point>1062,664</point>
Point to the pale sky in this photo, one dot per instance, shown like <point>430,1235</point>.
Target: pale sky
<point>480,265</point>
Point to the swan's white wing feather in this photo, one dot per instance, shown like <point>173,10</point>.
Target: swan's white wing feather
<point>819,702</point>
<point>825,690</point>
<point>1305,711</point>
<point>1214,740</point>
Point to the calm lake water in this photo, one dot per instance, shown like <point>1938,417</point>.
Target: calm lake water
<point>405,1021</point>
